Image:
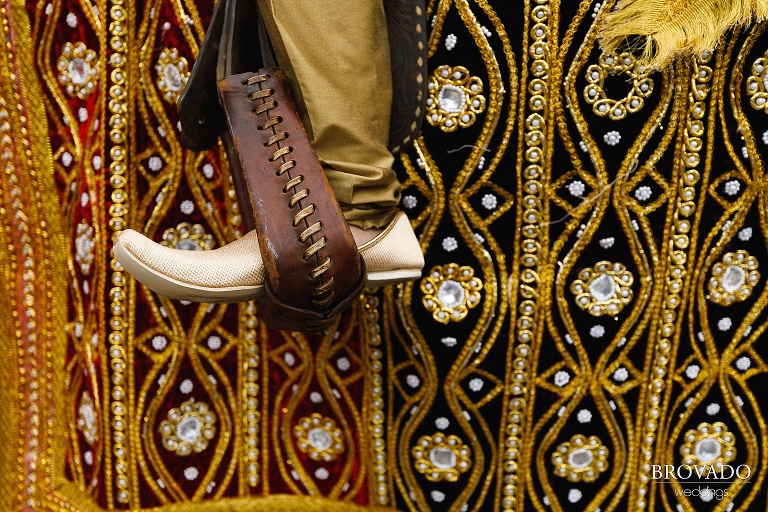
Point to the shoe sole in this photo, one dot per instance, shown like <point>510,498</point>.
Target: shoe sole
<point>180,290</point>
<point>391,277</point>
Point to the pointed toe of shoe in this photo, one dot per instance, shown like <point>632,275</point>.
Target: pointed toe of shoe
<point>232,273</point>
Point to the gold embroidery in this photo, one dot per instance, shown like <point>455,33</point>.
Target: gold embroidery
<point>172,74</point>
<point>84,245</point>
<point>118,344</point>
<point>188,428</point>
<point>454,99</point>
<point>86,420</point>
<point>78,70</point>
<point>708,445</point>
<point>733,278</point>
<point>450,292</point>
<point>757,84</point>
<point>319,437</point>
<point>189,237</point>
<point>603,289</point>
<point>581,459</point>
<point>439,457</point>
<point>594,93</point>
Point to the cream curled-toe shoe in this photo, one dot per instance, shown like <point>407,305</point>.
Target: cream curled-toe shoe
<point>235,272</point>
<point>232,273</point>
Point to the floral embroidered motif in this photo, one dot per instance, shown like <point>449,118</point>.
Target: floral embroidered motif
<point>84,244</point>
<point>188,428</point>
<point>581,459</point>
<point>595,94</point>
<point>78,70</point>
<point>172,74</point>
<point>319,437</point>
<point>708,445</point>
<point>733,278</point>
<point>86,419</point>
<point>454,99</point>
<point>450,292</point>
<point>603,289</point>
<point>439,457</point>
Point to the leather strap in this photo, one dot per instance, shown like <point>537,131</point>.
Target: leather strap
<point>230,48</point>
<point>313,268</point>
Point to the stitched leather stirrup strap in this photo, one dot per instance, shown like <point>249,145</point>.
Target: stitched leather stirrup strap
<point>313,268</point>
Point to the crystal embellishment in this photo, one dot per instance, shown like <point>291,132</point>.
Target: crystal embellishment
<point>189,429</point>
<point>450,293</point>
<point>733,277</point>
<point>172,74</point>
<point>188,244</point>
<point>86,419</point>
<point>188,237</point>
<point>454,98</point>
<point>451,98</point>
<point>320,438</point>
<point>707,450</point>
<point>580,458</point>
<point>84,244</point>
<point>603,287</point>
<point>78,69</point>
<point>442,458</point>
<point>709,445</point>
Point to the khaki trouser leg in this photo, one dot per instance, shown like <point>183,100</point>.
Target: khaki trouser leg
<point>335,54</point>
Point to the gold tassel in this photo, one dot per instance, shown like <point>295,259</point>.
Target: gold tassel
<point>656,31</point>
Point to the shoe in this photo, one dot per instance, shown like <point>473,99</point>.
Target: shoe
<point>394,255</point>
<point>235,272</point>
<point>232,273</point>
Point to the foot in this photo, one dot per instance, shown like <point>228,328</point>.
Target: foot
<point>235,272</point>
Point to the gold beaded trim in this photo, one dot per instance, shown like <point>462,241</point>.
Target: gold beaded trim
<point>686,207</point>
<point>530,204</point>
<point>379,485</point>
<point>118,106</point>
<point>251,390</point>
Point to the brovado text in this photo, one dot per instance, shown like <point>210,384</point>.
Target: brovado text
<point>683,472</point>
